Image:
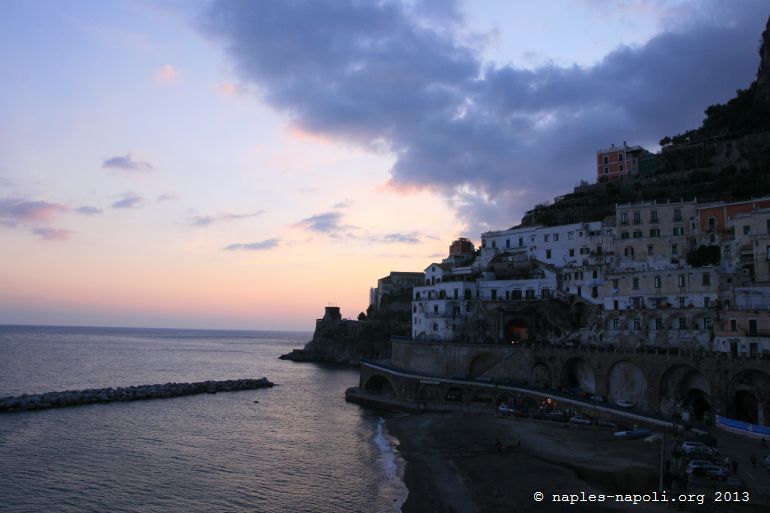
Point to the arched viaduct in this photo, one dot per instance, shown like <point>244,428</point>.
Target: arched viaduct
<point>700,383</point>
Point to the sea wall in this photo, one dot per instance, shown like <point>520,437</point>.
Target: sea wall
<point>134,393</point>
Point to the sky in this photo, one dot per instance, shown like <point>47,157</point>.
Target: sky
<point>242,165</point>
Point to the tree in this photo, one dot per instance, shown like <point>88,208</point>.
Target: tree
<point>362,316</point>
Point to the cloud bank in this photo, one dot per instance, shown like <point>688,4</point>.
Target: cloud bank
<point>254,246</point>
<point>126,163</point>
<point>386,75</point>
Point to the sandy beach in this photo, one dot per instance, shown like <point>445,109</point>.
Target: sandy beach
<point>454,465</point>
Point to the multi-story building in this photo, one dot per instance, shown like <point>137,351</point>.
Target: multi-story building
<point>651,234</point>
<point>397,282</point>
<point>615,162</point>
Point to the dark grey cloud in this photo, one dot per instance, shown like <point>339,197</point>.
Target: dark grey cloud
<point>224,216</point>
<point>396,76</point>
<point>129,200</point>
<point>126,163</point>
<point>88,211</point>
<point>254,246</point>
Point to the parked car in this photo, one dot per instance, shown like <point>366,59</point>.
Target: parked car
<point>597,398</point>
<point>709,471</point>
<point>505,409</point>
<point>766,462</point>
<point>556,416</point>
<point>606,423</point>
<point>633,434</point>
<point>693,447</point>
<point>697,463</point>
<point>580,419</point>
<point>624,404</point>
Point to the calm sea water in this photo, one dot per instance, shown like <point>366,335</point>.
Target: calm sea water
<point>300,448</point>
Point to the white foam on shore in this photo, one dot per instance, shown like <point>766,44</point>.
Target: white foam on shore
<point>392,489</point>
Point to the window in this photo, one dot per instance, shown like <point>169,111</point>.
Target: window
<point>578,275</point>
<point>637,234</point>
<point>620,167</point>
<point>615,304</point>
<point>733,325</point>
<point>435,309</point>
<point>545,293</point>
<point>606,159</point>
<point>483,244</point>
<point>712,238</point>
<point>637,301</point>
<point>494,243</point>
<point>567,276</point>
<point>768,226</point>
<point>674,249</point>
<point>706,281</point>
<point>629,251</point>
<point>682,323</point>
<point>571,235</point>
<point>650,249</point>
<point>746,229</point>
<point>546,238</point>
<point>456,293</point>
<point>516,295</point>
<point>615,283</point>
<point>584,251</point>
<point>606,170</point>
<point>417,296</point>
<point>635,284</point>
<point>706,301</point>
<point>494,294</point>
<point>653,216</point>
<point>556,237</point>
<point>637,218</point>
<point>620,157</point>
<point>682,280</point>
<point>468,294</point>
<point>681,302</point>
<point>414,309</point>
<point>580,234</point>
<point>521,241</point>
<point>637,324</point>
<point>658,324</point>
<point>752,327</point>
<point>616,324</point>
<point>712,224</point>
<point>595,274</point>
<point>572,252</point>
<point>678,230</point>
<point>657,282</point>
<point>507,243</point>
<point>594,291</point>
<point>624,218</point>
<point>623,235</point>
<point>435,326</point>
<point>707,323</point>
<point>655,232</point>
<point>530,294</point>
<point>677,214</point>
<point>548,253</point>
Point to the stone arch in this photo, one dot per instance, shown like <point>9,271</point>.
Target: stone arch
<point>481,363</point>
<point>380,384</point>
<point>748,397</point>
<point>626,381</point>
<point>683,386</point>
<point>541,375</point>
<point>578,373</point>
<point>517,330</point>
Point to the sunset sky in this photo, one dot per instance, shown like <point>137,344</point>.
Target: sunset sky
<point>242,164</point>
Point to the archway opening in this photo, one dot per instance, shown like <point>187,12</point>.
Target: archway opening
<point>380,385</point>
<point>516,331</point>
<point>698,401</point>
<point>577,373</point>
<point>481,364</point>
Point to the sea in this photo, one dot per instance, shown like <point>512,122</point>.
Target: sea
<point>297,447</point>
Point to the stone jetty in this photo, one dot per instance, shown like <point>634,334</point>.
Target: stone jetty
<point>134,393</point>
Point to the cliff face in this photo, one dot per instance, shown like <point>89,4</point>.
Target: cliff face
<point>345,342</point>
<point>762,96</point>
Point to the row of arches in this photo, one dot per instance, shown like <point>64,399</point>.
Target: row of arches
<point>681,387</point>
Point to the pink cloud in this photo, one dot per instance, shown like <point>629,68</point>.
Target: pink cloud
<point>167,74</point>
<point>15,209</point>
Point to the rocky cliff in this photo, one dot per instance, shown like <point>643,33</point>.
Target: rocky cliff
<point>344,341</point>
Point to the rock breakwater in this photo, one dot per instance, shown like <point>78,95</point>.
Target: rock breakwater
<point>134,393</point>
